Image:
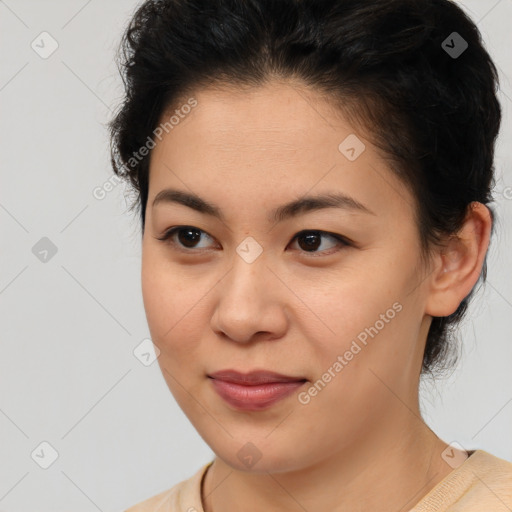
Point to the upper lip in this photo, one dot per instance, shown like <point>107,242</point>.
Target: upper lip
<point>253,377</point>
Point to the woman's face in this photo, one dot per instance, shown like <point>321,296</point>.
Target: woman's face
<point>243,292</point>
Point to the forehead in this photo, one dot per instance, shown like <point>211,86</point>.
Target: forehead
<point>276,140</point>
<point>281,115</point>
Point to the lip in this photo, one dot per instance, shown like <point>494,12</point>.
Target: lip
<point>256,390</point>
<point>253,377</point>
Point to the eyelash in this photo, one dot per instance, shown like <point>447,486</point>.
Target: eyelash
<point>167,238</point>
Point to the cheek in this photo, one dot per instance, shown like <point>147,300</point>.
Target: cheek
<point>154,297</point>
<point>359,309</point>
<point>161,291</point>
<point>172,321</point>
<point>174,310</point>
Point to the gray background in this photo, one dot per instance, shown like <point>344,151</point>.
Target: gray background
<point>70,325</point>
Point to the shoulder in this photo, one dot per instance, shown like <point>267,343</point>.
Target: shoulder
<point>492,482</point>
<point>185,496</point>
<point>482,482</point>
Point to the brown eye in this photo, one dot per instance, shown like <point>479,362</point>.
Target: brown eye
<point>187,237</point>
<point>310,241</point>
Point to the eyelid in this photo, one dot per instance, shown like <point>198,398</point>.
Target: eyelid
<point>168,233</point>
<point>166,238</point>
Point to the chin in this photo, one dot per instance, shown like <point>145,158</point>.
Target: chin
<point>254,457</point>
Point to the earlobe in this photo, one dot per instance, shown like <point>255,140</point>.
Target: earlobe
<point>459,262</point>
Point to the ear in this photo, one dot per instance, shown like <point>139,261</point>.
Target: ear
<point>458,264</point>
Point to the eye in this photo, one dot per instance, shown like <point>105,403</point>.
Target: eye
<point>312,240</point>
<point>188,236</point>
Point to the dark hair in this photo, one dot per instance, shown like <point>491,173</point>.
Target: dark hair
<point>393,66</point>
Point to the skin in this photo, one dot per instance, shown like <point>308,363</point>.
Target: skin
<point>360,443</point>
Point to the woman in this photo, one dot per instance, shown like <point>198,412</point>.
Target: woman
<point>313,180</point>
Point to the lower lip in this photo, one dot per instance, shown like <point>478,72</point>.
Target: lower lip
<point>254,398</point>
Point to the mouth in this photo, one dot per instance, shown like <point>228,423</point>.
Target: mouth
<point>256,390</point>
<point>254,377</point>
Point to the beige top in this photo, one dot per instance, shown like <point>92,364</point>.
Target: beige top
<point>482,483</point>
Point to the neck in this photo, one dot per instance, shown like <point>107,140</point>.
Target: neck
<point>391,470</point>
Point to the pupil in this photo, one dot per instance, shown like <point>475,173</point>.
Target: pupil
<point>311,239</point>
<point>187,241</point>
<point>188,237</point>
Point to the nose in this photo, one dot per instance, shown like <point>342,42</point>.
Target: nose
<point>251,303</point>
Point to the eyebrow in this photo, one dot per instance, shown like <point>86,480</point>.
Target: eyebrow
<point>292,209</point>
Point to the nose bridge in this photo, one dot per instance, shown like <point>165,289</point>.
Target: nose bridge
<point>244,282</point>
<point>249,250</point>
<point>245,306</point>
